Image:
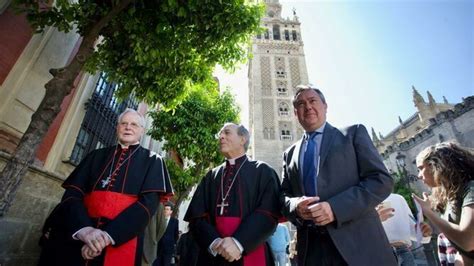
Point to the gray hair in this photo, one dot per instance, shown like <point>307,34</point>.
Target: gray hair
<point>141,119</point>
<point>241,131</point>
<point>302,88</point>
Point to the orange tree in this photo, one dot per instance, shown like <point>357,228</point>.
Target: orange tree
<point>158,49</point>
<point>189,132</point>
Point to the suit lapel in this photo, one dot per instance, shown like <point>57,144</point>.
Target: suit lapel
<point>296,162</point>
<point>328,138</point>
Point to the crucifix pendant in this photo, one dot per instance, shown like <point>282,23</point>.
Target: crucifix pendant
<point>222,206</point>
<point>105,182</point>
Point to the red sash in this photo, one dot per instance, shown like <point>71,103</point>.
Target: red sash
<point>226,226</point>
<point>108,205</point>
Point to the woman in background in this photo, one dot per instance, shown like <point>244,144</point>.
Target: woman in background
<point>449,170</point>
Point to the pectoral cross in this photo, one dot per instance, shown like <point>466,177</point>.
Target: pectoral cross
<point>105,182</point>
<point>222,206</point>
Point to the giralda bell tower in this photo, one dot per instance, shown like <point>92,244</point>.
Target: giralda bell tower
<point>277,67</point>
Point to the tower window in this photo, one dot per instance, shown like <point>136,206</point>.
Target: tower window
<point>283,109</point>
<point>282,91</point>
<point>285,135</point>
<point>294,35</point>
<point>280,73</point>
<point>287,35</point>
<point>276,32</point>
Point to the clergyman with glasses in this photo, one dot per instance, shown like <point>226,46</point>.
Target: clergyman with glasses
<point>332,181</point>
<point>109,199</point>
<point>235,207</point>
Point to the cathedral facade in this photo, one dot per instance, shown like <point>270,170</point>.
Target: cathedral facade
<point>434,122</point>
<point>277,67</point>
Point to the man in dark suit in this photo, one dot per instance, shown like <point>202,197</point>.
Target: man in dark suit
<point>332,181</point>
<point>166,245</point>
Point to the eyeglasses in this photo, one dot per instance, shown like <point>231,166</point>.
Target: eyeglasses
<point>132,124</point>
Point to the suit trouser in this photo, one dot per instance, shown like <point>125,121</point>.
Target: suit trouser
<point>321,250</point>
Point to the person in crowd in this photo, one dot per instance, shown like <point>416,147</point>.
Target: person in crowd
<point>447,254</point>
<point>187,250</point>
<point>235,208</point>
<point>167,243</point>
<point>109,199</point>
<point>332,181</point>
<point>293,256</point>
<point>279,242</point>
<point>401,229</point>
<point>449,170</point>
<point>153,233</point>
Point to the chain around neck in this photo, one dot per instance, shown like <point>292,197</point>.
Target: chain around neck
<point>232,183</point>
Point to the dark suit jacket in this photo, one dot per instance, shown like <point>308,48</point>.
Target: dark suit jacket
<point>353,180</point>
<point>168,241</point>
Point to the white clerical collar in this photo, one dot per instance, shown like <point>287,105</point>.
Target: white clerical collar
<point>126,147</point>
<point>232,160</point>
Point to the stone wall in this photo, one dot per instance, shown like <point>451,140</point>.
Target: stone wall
<point>20,229</point>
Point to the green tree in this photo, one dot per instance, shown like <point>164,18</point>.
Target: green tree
<point>158,49</point>
<point>400,187</point>
<point>189,131</point>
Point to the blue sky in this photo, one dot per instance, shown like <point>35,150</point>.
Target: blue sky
<point>366,55</point>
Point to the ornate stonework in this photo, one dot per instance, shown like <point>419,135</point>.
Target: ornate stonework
<point>295,71</point>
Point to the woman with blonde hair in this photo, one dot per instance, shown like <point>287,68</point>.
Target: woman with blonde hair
<point>449,170</point>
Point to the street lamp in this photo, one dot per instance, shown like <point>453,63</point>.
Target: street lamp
<point>401,166</point>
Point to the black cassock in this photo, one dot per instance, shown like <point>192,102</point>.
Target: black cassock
<point>114,189</point>
<point>249,214</point>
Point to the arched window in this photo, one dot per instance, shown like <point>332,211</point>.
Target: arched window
<point>281,89</point>
<point>283,109</point>
<point>280,73</point>
<point>285,133</point>
<point>287,35</point>
<point>295,35</point>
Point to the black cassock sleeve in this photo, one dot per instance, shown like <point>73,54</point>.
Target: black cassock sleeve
<point>72,202</point>
<point>133,220</point>
<point>260,224</point>
<point>198,214</point>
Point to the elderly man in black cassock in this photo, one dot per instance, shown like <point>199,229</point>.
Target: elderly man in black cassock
<point>235,207</point>
<point>109,199</point>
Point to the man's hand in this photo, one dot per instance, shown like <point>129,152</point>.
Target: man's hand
<point>321,213</point>
<point>95,239</point>
<point>384,213</point>
<point>88,253</point>
<point>228,249</point>
<point>302,207</point>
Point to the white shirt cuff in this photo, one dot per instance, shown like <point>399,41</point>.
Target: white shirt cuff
<point>74,236</point>
<point>238,245</point>
<point>112,242</point>
<point>213,253</point>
